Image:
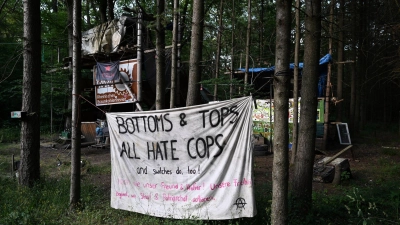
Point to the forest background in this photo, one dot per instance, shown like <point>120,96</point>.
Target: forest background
<point>365,52</point>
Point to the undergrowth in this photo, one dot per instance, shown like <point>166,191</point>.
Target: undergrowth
<point>355,201</point>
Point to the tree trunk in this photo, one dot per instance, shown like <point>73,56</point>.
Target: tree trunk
<point>232,49</point>
<point>280,170</point>
<point>340,66</point>
<point>261,33</point>
<point>103,10</point>
<point>174,59</point>
<point>68,115</point>
<point>248,40</point>
<point>76,123</point>
<point>196,49</point>
<point>296,85</point>
<point>328,80</point>
<point>139,53</point>
<point>303,167</point>
<point>54,6</point>
<point>110,9</point>
<point>160,55</point>
<point>29,170</point>
<point>87,11</point>
<point>218,56</point>
<point>354,25</point>
<point>181,28</point>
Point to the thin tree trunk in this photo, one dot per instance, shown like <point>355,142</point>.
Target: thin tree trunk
<point>54,6</point>
<point>261,33</point>
<point>76,123</point>
<point>196,50</point>
<point>340,66</point>
<point>29,170</point>
<point>248,40</point>
<point>182,19</point>
<point>280,170</point>
<point>160,55</point>
<point>232,50</point>
<point>139,54</point>
<point>174,59</point>
<point>218,56</point>
<point>296,84</point>
<point>87,11</point>
<point>328,81</point>
<point>353,69</point>
<point>68,115</point>
<point>110,9</point>
<point>303,167</point>
<point>103,10</point>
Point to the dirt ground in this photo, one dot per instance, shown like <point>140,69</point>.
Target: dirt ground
<point>360,156</point>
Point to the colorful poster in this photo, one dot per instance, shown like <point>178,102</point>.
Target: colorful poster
<point>263,117</point>
<point>112,91</point>
<point>185,163</point>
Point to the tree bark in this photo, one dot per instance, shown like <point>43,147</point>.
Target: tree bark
<point>340,66</point>
<point>353,84</point>
<point>248,40</point>
<point>103,10</point>
<point>232,49</point>
<point>87,11</point>
<point>160,55</point>
<point>303,167</point>
<point>280,170</point>
<point>196,50</point>
<point>29,170</point>
<point>54,6</point>
<point>110,9</point>
<point>218,56</point>
<point>67,125</point>
<point>296,85</point>
<point>328,80</point>
<point>75,188</point>
<point>174,59</point>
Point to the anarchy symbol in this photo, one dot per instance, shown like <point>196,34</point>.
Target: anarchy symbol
<point>240,203</point>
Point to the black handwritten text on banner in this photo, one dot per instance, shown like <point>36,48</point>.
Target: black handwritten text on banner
<point>184,163</point>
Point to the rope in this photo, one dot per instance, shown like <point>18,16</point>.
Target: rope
<point>80,96</point>
<point>283,73</point>
<point>79,106</point>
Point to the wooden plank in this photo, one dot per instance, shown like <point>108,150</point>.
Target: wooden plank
<point>337,155</point>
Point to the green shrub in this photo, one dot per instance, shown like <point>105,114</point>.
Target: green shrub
<point>11,134</point>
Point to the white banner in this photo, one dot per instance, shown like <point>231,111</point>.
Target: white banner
<point>186,163</point>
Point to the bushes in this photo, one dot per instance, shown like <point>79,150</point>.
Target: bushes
<point>10,134</point>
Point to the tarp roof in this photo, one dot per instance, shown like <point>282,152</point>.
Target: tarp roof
<point>324,60</point>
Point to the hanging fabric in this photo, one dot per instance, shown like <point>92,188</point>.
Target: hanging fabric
<point>107,71</point>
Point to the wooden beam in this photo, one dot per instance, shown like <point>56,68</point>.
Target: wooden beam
<point>337,155</point>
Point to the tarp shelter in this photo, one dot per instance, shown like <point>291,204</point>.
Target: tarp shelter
<point>267,72</point>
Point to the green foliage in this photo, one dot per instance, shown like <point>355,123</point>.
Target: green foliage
<point>365,211</point>
<point>47,203</point>
<point>10,134</point>
<point>345,175</point>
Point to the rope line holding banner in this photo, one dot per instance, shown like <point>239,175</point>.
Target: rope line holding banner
<point>80,96</point>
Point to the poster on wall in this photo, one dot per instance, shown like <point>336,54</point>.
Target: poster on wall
<point>113,91</point>
<point>263,117</point>
<point>184,163</point>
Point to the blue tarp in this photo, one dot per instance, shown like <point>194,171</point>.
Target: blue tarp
<point>324,60</point>
<point>323,71</point>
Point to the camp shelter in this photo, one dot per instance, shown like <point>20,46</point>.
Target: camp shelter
<point>261,77</point>
<point>261,81</point>
<point>120,41</point>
